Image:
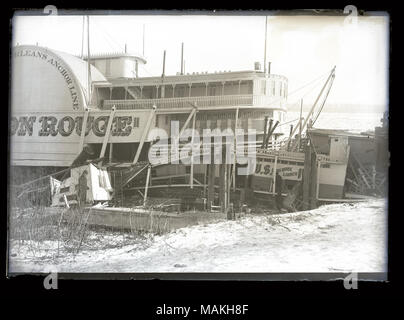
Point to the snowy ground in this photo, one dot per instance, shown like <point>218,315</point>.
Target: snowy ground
<point>332,238</point>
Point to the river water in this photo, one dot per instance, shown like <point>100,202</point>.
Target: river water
<point>355,122</point>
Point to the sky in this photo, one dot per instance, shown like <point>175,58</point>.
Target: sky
<point>302,48</point>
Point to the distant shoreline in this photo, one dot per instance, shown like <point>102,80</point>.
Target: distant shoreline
<point>339,111</point>
<point>352,109</point>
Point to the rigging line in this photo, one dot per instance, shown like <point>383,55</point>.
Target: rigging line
<point>97,34</point>
<point>109,43</point>
<point>298,100</point>
<point>121,48</point>
<point>113,47</point>
<point>305,85</point>
<point>323,103</point>
<point>293,92</point>
<point>288,122</point>
<point>107,35</point>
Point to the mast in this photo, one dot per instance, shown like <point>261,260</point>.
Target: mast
<point>164,65</point>
<point>182,58</point>
<point>82,39</point>
<point>88,62</point>
<point>265,46</point>
<point>143,38</point>
<point>300,122</point>
<point>325,99</point>
<point>162,92</point>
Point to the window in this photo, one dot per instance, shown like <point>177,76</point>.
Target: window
<point>212,90</point>
<point>108,67</point>
<point>136,122</point>
<point>263,86</point>
<point>180,91</point>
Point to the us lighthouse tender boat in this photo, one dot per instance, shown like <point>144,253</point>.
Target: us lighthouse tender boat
<point>295,158</point>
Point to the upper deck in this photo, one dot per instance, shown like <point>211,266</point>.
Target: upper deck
<point>209,91</point>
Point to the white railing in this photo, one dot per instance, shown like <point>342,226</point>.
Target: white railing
<point>187,102</point>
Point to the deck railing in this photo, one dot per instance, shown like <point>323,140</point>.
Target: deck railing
<point>187,102</point>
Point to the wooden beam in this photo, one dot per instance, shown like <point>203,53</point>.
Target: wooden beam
<point>318,179</point>
<point>66,201</point>
<point>204,180</point>
<point>211,184</point>
<point>191,179</point>
<point>274,175</point>
<point>290,136</point>
<point>265,131</point>
<point>107,132</point>
<point>146,185</point>
<point>187,121</point>
<point>124,183</point>
<point>300,124</point>
<point>144,134</point>
<point>111,146</point>
<point>271,132</point>
<point>313,184</point>
<point>243,191</point>
<point>228,188</point>
<point>306,177</point>
<point>222,186</point>
<point>83,129</point>
<point>235,150</point>
<point>225,188</point>
<point>267,135</point>
<point>131,93</point>
<point>292,132</point>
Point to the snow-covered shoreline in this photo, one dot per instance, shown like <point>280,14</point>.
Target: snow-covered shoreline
<point>331,238</point>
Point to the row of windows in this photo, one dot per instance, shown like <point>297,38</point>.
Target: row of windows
<point>275,88</point>
<point>282,87</point>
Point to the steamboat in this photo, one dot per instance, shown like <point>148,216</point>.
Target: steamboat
<point>95,115</point>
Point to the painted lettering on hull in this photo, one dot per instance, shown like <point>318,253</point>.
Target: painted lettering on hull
<point>286,170</point>
<point>58,66</point>
<point>68,125</point>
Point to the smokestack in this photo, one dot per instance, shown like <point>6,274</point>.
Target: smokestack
<point>164,64</point>
<point>182,58</point>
